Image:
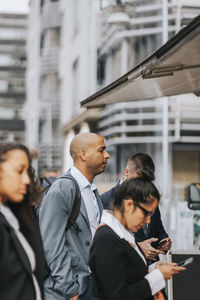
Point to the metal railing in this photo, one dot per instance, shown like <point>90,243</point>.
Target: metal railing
<point>145,19</point>
<point>142,122</point>
<point>51,16</point>
<point>12,136</point>
<point>50,154</point>
<point>49,60</point>
<point>50,104</point>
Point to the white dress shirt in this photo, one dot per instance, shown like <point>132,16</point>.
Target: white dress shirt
<point>89,198</point>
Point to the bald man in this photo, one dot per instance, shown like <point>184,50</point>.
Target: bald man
<point>67,252</point>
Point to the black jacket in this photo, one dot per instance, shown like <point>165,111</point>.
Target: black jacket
<point>15,271</point>
<point>117,268</point>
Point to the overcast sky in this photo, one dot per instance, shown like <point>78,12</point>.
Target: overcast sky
<point>18,6</point>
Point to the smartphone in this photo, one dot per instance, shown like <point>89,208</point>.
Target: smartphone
<point>185,262</point>
<point>161,243</point>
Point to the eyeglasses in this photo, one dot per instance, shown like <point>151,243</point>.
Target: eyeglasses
<point>145,211</point>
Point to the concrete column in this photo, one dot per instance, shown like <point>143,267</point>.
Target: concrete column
<point>67,160</point>
<point>124,56</point>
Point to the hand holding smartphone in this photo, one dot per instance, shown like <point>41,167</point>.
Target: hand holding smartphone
<point>161,243</point>
<point>185,262</point>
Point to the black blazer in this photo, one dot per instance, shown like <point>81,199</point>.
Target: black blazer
<point>15,271</point>
<point>155,228</point>
<point>117,268</point>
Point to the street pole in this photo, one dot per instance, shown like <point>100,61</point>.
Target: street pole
<point>165,142</point>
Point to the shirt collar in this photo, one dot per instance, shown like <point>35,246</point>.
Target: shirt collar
<point>9,216</point>
<point>117,227</point>
<point>81,179</point>
<point>122,180</point>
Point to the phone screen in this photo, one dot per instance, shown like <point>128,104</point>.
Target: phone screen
<point>160,244</point>
<point>186,262</point>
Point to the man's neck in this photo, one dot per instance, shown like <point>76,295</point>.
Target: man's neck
<point>84,172</point>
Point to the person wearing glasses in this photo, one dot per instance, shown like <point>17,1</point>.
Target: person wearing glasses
<point>118,265</point>
<point>150,236</point>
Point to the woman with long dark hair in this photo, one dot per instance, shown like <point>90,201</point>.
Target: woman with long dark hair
<point>21,253</point>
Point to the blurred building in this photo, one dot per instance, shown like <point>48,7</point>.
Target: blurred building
<point>13,30</point>
<point>129,32</point>
<point>61,70</point>
<point>76,48</point>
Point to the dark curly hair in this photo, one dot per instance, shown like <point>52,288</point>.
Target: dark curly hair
<point>24,209</point>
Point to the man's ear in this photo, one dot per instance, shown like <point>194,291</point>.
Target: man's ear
<point>126,173</point>
<point>83,155</point>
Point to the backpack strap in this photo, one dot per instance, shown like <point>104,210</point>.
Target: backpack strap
<point>76,205</point>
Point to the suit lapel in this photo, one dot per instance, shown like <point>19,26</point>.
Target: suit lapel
<point>83,208</point>
<point>99,201</point>
<point>132,251</point>
<point>142,252</point>
<point>21,253</point>
<point>84,212</point>
<point>18,248</point>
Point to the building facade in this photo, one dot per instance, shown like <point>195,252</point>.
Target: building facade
<point>167,129</point>
<point>13,31</point>
<point>61,70</point>
<point>77,47</point>
<point>129,33</point>
<point>81,46</point>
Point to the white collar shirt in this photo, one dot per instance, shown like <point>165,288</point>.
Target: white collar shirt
<point>88,194</point>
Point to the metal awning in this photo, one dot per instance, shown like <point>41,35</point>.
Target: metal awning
<point>171,70</point>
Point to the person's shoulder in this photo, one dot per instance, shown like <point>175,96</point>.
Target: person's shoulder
<point>104,233</point>
<point>106,241</point>
<point>156,215</point>
<point>62,183</point>
<point>4,226</point>
<point>103,229</point>
<point>63,190</point>
<point>108,193</point>
<point>3,220</point>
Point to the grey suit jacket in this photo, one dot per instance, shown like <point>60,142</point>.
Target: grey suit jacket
<point>66,252</point>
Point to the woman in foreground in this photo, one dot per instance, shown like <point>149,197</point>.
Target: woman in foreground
<point>21,252</point>
<point>118,265</point>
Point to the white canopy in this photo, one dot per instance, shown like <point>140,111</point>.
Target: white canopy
<point>171,70</point>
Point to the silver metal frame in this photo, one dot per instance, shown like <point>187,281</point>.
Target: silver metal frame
<point>169,258</point>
